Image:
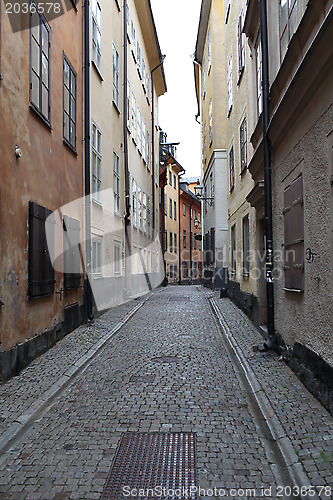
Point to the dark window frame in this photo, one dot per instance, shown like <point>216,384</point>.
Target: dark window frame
<point>243,145</point>
<point>232,168</point>
<point>72,73</point>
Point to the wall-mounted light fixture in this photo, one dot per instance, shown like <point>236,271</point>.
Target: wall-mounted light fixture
<point>198,190</point>
<point>18,152</point>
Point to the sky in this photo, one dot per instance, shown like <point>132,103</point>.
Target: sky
<point>177,25</point>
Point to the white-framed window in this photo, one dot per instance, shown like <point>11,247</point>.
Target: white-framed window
<point>229,84</point>
<point>115,75</point>
<point>96,147</point>
<point>143,64</point>
<point>140,206</point>
<point>204,78</point>
<point>204,142</point>
<point>211,122</point>
<point>116,183</point>
<point>133,40</point>
<point>97,257</point>
<point>144,211</point>
<point>117,258</point>
<point>128,22</point>
<point>241,43</point>
<point>259,75</point>
<point>148,149</point>
<point>133,117</point>
<point>156,170</point>
<point>288,23</point>
<point>143,146</point>
<point>96,33</point>
<point>128,105</point>
<point>147,86</point>
<point>209,51</point>
<point>134,203</point>
<point>138,130</point>
<point>138,57</point>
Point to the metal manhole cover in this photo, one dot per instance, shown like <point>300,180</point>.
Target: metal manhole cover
<point>154,465</point>
<point>142,378</point>
<point>166,359</point>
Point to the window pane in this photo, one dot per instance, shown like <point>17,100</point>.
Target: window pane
<point>73,83</point>
<point>45,101</point>
<point>35,25</point>
<point>72,107</point>
<point>66,127</point>
<point>45,70</point>
<point>34,96</point>
<point>66,100</point>
<point>45,39</point>
<point>72,133</point>
<point>35,53</point>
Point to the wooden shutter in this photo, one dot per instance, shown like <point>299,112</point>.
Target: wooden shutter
<point>294,236</point>
<point>72,267</point>
<point>40,270</point>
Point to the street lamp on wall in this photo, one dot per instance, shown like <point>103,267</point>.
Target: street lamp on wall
<point>196,223</point>
<point>198,190</point>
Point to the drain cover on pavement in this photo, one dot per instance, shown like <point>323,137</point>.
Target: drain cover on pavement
<point>153,465</point>
<point>166,359</point>
<point>142,378</point>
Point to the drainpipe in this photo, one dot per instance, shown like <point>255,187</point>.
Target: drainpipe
<point>153,142</point>
<point>271,340</point>
<point>87,193</point>
<point>128,243</point>
<point>191,271</point>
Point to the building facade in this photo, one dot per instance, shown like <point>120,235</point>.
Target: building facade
<point>191,255</point>
<point>210,90</point>
<point>127,78</point>
<point>41,166</point>
<point>300,134</point>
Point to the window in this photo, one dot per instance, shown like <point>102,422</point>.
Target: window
<point>175,242</point>
<point>204,79</point>
<point>259,75</point>
<point>148,149</point>
<point>97,257</point>
<point>243,145</point>
<point>174,181</point>
<point>138,132</point>
<point>116,183</point>
<point>133,40</point>
<point>144,75</point>
<point>40,42</point>
<point>117,259</point>
<point>175,210</point>
<point>191,240</point>
<point>232,168</point>
<point>288,20</point>
<point>165,241</point>
<point>143,143</point>
<point>140,206</point>
<point>144,211</point>
<point>170,178</point>
<point>184,238</point>
<point>134,203</point>
<point>209,51</point>
<point>191,213</point>
<point>133,117</point>
<point>69,109</point>
<point>210,122</point>
<point>241,43</point>
<point>72,259</point>
<point>147,86</point>
<point>184,209</point>
<point>195,267</point>
<point>204,142</point>
<point>115,74</point>
<point>195,241</point>
<point>96,163</point>
<point>246,246</point>
<point>40,270</point>
<point>128,105</point>
<point>233,250</point>
<point>293,214</point>
<point>227,11</point>
<point>148,216</point>
<point>171,241</point>
<point>195,214</point>
<point>165,205</point>
<point>138,57</point>
<point>229,84</point>
<point>96,34</point>
<point>199,217</point>
<point>170,208</point>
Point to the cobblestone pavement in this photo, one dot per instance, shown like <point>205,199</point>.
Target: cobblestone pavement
<point>68,451</point>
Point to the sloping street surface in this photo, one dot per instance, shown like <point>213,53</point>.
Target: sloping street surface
<point>181,362</point>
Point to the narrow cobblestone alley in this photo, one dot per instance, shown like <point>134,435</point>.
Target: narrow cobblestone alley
<point>64,446</point>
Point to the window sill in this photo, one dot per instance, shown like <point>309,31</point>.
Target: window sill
<point>240,75</point>
<point>116,106</point>
<point>97,202</point>
<point>98,71</point>
<point>41,116</point>
<point>243,171</point>
<point>97,276</point>
<point>229,112</point>
<point>69,146</point>
<point>296,290</point>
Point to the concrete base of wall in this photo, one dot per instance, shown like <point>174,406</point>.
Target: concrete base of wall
<point>21,355</point>
<point>314,373</point>
<point>245,301</point>
<point>217,279</point>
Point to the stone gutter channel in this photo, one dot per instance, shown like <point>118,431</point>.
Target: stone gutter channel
<point>25,421</point>
<point>286,466</point>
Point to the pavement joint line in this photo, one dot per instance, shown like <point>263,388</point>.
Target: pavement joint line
<point>294,467</point>
<point>43,402</point>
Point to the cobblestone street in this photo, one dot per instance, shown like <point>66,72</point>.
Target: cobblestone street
<point>256,426</point>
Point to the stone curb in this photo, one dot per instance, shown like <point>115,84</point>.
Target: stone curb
<point>295,469</point>
<point>40,404</point>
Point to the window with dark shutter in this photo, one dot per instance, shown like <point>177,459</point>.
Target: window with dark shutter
<point>294,236</point>
<point>40,270</point>
<point>72,261</point>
